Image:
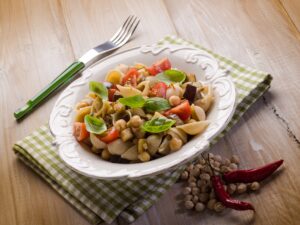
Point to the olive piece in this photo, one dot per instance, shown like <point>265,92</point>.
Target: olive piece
<point>116,97</point>
<point>190,93</point>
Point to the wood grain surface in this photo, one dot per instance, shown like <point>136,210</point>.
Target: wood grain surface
<point>39,38</point>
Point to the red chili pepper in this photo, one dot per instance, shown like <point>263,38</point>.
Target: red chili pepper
<point>248,176</point>
<point>224,197</point>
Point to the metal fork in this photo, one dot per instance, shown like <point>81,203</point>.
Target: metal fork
<point>120,38</point>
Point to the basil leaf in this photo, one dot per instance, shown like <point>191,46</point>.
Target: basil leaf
<point>158,125</point>
<point>156,104</point>
<point>94,125</point>
<point>99,89</point>
<point>171,76</point>
<point>136,101</point>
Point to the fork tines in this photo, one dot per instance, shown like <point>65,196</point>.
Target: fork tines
<point>125,31</point>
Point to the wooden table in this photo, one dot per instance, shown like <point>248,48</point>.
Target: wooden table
<point>39,38</point>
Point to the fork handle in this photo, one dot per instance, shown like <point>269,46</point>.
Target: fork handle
<point>59,81</point>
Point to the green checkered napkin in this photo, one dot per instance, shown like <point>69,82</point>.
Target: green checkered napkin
<point>100,200</point>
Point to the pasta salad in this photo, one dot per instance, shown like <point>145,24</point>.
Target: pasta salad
<point>141,113</point>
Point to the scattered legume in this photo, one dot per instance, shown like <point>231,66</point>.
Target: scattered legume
<point>189,204</point>
<point>254,186</point>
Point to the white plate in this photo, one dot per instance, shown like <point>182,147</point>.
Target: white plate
<point>185,58</point>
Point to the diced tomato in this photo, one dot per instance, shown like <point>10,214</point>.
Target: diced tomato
<point>183,110</point>
<point>158,90</point>
<point>111,93</point>
<point>153,70</point>
<point>164,64</point>
<point>161,65</point>
<point>131,77</point>
<point>110,135</point>
<point>79,131</point>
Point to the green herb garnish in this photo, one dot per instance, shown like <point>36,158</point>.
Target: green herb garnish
<point>99,89</point>
<point>156,104</point>
<point>158,125</point>
<point>94,125</point>
<point>136,101</point>
<point>171,76</point>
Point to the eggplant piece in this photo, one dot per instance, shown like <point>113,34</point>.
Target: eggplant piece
<point>190,93</point>
<point>116,97</point>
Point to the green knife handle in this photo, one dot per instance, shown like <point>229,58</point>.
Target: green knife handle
<point>62,79</point>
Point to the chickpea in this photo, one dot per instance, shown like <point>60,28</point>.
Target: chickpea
<point>199,207</point>
<point>192,179</point>
<point>201,183</point>
<point>211,156</point>
<point>190,167</point>
<point>219,207</point>
<point>105,154</point>
<point>184,175</point>
<point>233,166</point>
<point>120,124</point>
<point>126,134</point>
<point>235,159</point>
<point>241,188</point>
<point>187,190</point>
<point>211,203</point>
<point>204,176</point>
<point>195,190</point>
<point>207,169</point>
<point>136,121</point>
<point>96,150</point>
<point>175,144</point>
<point>225,169</point>
<point>199,166</point>
<point>218,158</point>
<point>202,161</point>
<point>254,186</point>
<point>231,188</point>
<point>216,165</point>
<point>192,184</point>
<point>118,107</point>
<point>174,100</point>
<point>196,172</point>
<point>226,162</point>
<point>138,132</point>
<point>195,199</point>
<point>188,204</point>
<point>188,197</point>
